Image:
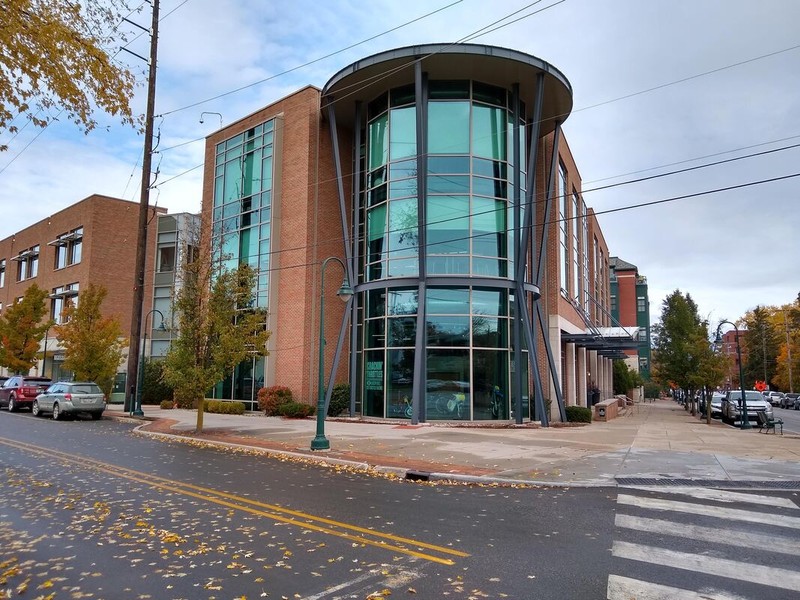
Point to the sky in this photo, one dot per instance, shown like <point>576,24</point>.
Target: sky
<point>658,87</point>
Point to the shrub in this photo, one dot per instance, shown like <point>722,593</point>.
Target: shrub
<point>167,404</point>
<point>270,398</point>
<point>154,389</point>
<point>295,410</point>
<point>224,407</point>
<point>579,414</point>
<point>340,399</point>
<point>652,390</point>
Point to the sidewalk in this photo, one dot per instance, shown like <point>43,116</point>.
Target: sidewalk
<point>651,441</point>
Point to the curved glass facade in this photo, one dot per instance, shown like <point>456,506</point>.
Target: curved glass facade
<point>460,229</point>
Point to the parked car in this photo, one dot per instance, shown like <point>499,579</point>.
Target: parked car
<point>797,403</point>
<point>732,409</point>
<point>70,398</point>
<point>774,398</point>
<point>789,399</point>
<point>19,391</point>
<point>716,404</point>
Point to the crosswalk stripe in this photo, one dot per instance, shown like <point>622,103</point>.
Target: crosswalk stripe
<point>756,541</point>
<point>625,588</point>
<point>722,496</point>
<point>720,512</point>
<point>720,567</point>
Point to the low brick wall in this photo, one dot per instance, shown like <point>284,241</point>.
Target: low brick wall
<point>606,410</point>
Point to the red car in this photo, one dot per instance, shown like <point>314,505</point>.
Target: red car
<point>19,391</point>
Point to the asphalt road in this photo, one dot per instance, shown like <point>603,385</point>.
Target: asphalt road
<point>89,509</point>
<point>791,419</point>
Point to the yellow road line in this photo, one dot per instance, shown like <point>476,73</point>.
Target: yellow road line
<point>274,512</point>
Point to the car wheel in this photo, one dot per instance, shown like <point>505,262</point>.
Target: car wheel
<point>35,408</point>
<point>12,405</point>
<point>96,416</point>
<point>57,414</point>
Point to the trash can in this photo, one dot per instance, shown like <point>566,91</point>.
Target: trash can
<point>595,397</point>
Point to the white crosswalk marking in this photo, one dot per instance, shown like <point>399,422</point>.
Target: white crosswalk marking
<point>769,543</point>
<point>716,558</point>
<point>720,512</point>
<point>625,588</point>
<point>724,496</point>
<point>720,567</point>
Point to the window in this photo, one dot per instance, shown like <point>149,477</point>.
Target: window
<point>563,226</point>
<point>613,303</point>
<point>27,263</point>
<point>166,259</point>
<point>2,272</point>
<point>60,298</point>
<point>641,305</point>
<point>68,248</point>
<point>642,334</point>
<point>575,223</point>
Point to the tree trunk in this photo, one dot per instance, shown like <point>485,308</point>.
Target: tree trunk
<point>200,410</point>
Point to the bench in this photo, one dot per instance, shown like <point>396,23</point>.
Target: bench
<point>766,423</point>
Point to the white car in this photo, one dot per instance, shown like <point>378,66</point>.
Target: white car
<point>773,398</point>
<point>716,404</point>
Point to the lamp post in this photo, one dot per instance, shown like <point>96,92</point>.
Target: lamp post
<point>345,292</point>
<point>745,418</point>
<point>137,412</point>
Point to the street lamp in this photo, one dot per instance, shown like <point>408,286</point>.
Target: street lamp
<point>745,418</point>
<point>345,292</point>
<point>140,382</point>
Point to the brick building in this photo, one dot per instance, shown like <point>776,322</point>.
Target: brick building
<point>630,307</point>
<point>415,168</point>
<point>92,241</point>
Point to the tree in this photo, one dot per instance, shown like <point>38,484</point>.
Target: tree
<point>763,345</point>
<point>681,344</point>
<point>789,326</point>
<point>218,329</point>
<point>21,330</point>
<point>53,56</point>
<point>93,344</point>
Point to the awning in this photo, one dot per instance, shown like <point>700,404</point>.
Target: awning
<point>610,342</point>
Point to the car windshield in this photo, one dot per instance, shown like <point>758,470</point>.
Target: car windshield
<point>737,395</point>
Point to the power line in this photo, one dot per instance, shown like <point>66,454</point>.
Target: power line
<point>311,62</point>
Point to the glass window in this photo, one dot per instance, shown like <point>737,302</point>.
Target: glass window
<point>2,272</point>
<point>374,383</point>
<point>403,135</point>
<point>448,184</point>
<point>489,302</point>
<point>75,251</point>
<point>443,165</point>
<point>401,302</point>
<point>378,142</point>
<point>166,259</point>
<point>641,305</point>
<point>488,227</point>
<point>448,391</point>
<point>489,132</point>
<point>490,94</point>
<point>61,257</point>
<point>448,224</point>
<point>402,331</point>
<point>490,397</point>
<point>448,90</point>
<point>447,301</point>
<point>376,219</point>
<point>403,228</point>
<point>376,300</point>
<point>399,381</point>
<point>448,127</point>
<point>447,331</point>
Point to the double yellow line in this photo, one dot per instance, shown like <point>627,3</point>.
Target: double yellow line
<point>353,533</point>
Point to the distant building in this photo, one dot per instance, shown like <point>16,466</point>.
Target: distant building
<point>92,241</point>
<point>630,307</point>
<point>729,349</point>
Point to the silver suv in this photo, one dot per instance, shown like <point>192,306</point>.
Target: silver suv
<point>731,406</point>
<point>70,398</point>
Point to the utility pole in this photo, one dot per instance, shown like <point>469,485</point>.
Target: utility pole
<point>144,203</point>
<point>788,352</point>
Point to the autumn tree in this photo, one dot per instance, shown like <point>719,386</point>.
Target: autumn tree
<point>218,327</point>
<point>93,344</point>
<point>54,57</point>
<point>763,345</point>
<point>787,374</point>
<point>22,327</point>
